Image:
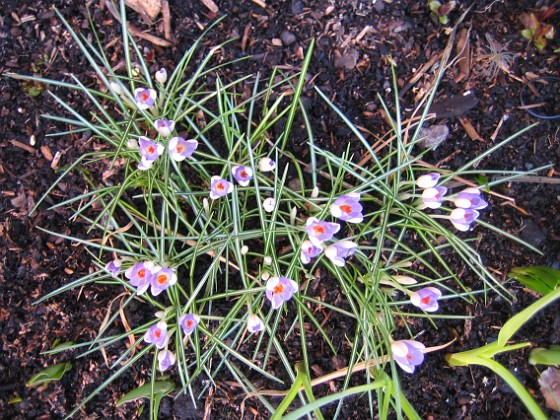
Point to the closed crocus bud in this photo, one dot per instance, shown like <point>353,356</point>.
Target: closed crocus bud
<point>428,181</point>
<point>161,75</point>
<point>269,204</point>
<point>266,165</point>
<point>254,323</point>
<point>116,87</point>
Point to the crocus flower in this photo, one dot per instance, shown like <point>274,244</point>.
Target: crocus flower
<point>340,250</point>
<point>266,164</point>
<point>309,251</point>
<point>140,275</point>
<point>164,127</point>
<point>161,280</point>
<point>254,323</point>
<point>157,335</point>
<point>320,231</point>
<point>348,208</point>
<point>280,289</point>
<point>145,98</point>
<point>180,149</point>
<point>150,150</point>
<point>470,198</point>
<point>433,196</point>
<point>161,75</point>
<point>426,299</point>
<point>132,144</point>
<point>269,204</point>
<point>428,180</point>
<point>114,267</point>
<point>408,354</point>
<point>242,174</point>
<point>463,218</point>
<point>219,187</point>
<point>166,359</point>
<point>189,322</point>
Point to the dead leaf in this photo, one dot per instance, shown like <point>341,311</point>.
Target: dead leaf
<point>550,387</point>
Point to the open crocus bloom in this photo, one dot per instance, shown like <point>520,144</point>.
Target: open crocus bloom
<point>340,250</point>
<point>242,174</point>
<point>145,98</point>
<point>408,354</point>
<point>157,335</point>
<point>166,359</point>
<point>189,323</point>
<point>164,127</point>
<point>219,187</point>
<point>280,289</point>
<point>140,275</point>
<point>161,280</point>
<point>150,152</point>
<point>254,323</point>
<point>348,208</point>
<point>433,196</point>
<point>320,231</point>
<point>426,299</point>
<point>309,251</point>
<point>463,218</point>
<point>180,149</point>
<point>428,180</point>
<point>470,198</point>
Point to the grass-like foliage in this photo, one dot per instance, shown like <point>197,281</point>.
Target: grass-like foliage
<point>222,234</point>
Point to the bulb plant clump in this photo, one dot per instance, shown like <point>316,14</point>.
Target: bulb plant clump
<point>206,230</point>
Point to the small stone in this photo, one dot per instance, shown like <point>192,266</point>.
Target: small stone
<point>533,234</point>
<point>287,37</point>
<point>277,42</point>
<point>348,60</point>
<point>433,136</point>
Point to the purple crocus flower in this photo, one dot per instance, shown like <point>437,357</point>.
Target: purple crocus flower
<point>426,299</point>
<point>242,174</point>
<point>164,127</point>
<point>428,180</point>
<point>254,323</point>
<point>463,218</point>
<point>340,250</point>
<point>140,275</point>
<point>433,196</point>
<point>166,359</point>
<point>149,150</point>
<point>280,289</point>
<point>180,149</point>
<point>348,208</point>
<point>114,267</point>
<point>157,335</point>
<point>145,98</point>
<point>320,231</point>
<point>189,323</point>
<point>408,354</point>
<point>219,187</point>
<point>161,280</point>
<point>309,251</point>
<point>470,198</point>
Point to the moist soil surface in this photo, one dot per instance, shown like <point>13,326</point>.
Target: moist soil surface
<point>355,41</point>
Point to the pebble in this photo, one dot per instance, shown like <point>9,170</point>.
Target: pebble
<point>433,136</point>
<point>287,37</point>
<point>533,234</point>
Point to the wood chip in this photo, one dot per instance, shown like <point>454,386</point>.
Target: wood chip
<point>211,5</point>
<point>46,152</point>
<point>469,129</point>
<point>463,48</point>
<point>23,146</point>
<point>166,14</point>
<point>56,159</point>
<point>260,3</point>
<point>149,9</point>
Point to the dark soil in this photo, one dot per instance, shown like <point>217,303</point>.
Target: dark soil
<point>351,66</point>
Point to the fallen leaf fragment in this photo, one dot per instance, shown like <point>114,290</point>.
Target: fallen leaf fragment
<point>550,387</point>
